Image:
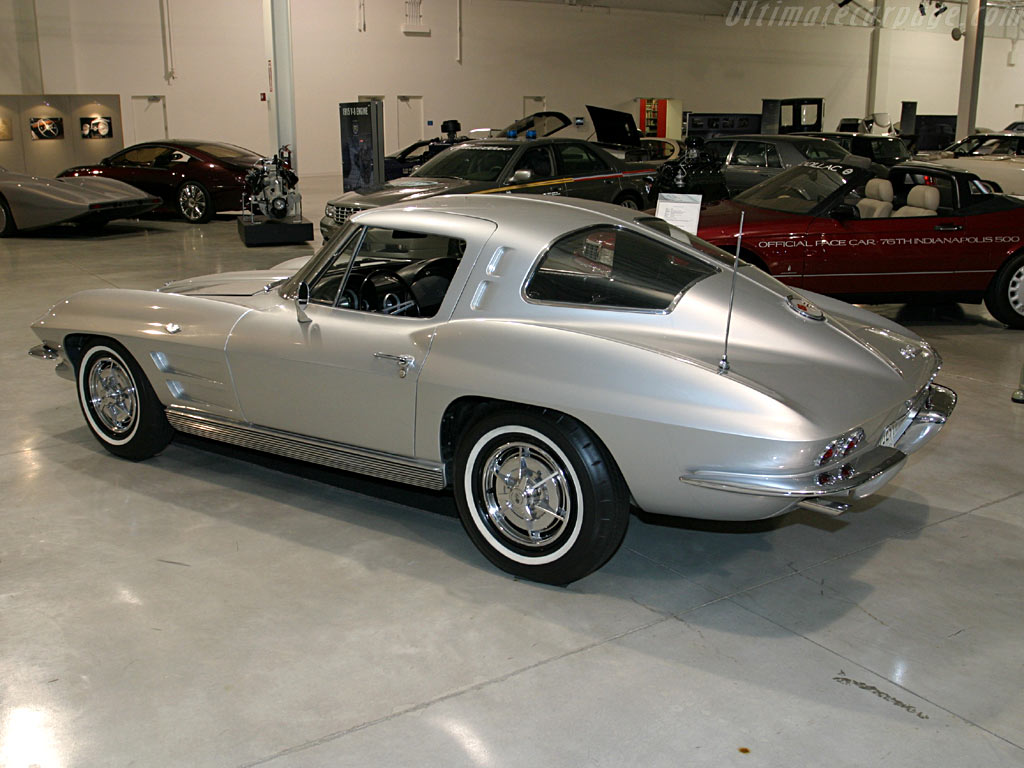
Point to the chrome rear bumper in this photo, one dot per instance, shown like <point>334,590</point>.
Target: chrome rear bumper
<point>870,470</point>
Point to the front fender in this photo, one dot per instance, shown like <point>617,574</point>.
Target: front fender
<point>178,341</point>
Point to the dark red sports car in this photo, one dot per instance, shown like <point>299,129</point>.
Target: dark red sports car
<point>870,234</point>
<point>193,178</point>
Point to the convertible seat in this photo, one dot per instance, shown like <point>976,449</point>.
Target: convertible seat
<point>877,202</point>
<point>922,201</point>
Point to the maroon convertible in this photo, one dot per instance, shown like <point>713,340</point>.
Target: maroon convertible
<point>193,178</point>
<point>872,234</point>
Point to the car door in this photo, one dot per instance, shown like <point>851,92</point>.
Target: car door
<point>588,175</point>
<point>750,163</point>
<point>147,167</point>
<point>543,179</point>
<point>343,370</point>
<point>912,254</point>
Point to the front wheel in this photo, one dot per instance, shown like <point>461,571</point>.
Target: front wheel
<point>1005,295</point>
<point>194,202</point>
<point>7,226</point>
<point>119,404</point>
<point>539,495</point>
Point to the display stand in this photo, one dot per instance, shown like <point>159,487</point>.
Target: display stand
<point>263,230</point>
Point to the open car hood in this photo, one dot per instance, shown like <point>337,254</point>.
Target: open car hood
<point>612,126</point>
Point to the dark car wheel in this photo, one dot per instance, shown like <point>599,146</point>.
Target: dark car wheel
<point>628,200</point>
<point>1005,295</point>
<point>7,226</point>
<point>119,404</point>
<point>539,495</point>
<point>194,202</point>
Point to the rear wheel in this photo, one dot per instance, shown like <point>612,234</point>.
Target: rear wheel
<point>1005,295</point>
<point>119,404</point>
<point>628,200</point>
<point>7,226</point>
<point>194,202</point>
<point>539,495</point>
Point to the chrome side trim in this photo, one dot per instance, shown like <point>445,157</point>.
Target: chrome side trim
<point>402,469</point>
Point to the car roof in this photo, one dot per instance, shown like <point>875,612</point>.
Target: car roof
<point>794,137</point>
<point>844,134</point>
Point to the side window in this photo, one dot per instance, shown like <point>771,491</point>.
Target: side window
<point>538,161</point>
<point>388,271</point>
<point>143,156</point>
<point>772,156</point>
<point>606,267</point>
<point>750,153</point>
<point>575,159</point>
<point>719,150</point>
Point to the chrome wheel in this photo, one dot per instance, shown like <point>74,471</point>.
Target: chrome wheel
<point>629,202</point>
<point>539,494</point>
<point>193,202</point>
<point>119,405</point>
<point>113,397</point>
<point>1015,291</point>
<point>527,494</point>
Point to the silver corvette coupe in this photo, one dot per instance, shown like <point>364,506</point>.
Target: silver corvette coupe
<point>552,361</point>
<point>31,202</point>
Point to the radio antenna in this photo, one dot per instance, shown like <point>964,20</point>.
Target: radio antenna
<point>723,364</point>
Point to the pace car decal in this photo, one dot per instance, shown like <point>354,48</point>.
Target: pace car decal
<point>870,241</point>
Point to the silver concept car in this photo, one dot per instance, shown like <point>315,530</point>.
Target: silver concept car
<point>553,361</point>
<point>31,202</point>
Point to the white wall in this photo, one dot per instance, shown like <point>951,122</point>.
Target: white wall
<point>572,56</point>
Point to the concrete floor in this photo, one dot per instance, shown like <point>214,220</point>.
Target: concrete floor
<point>213,608</point>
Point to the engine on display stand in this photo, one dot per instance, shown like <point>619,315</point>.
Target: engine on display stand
<point>272,203</point>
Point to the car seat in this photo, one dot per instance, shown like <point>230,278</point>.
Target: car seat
<point>921,201</point>
<point>877,201</point>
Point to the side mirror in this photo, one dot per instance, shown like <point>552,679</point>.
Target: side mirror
<point>105,161</point>
<point>302,301</point>
<point>522,176</point>
<point>845,211</point>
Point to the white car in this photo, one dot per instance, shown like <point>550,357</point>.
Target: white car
<point>997,158</point>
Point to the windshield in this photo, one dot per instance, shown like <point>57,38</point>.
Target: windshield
<point>986,145</point>
<point>469,161</point>
<point>804,188</point>
<point>890,151</point>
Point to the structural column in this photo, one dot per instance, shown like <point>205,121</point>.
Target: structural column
<point>970,71</point>
<point>870,106</point>
<point>277,30</point>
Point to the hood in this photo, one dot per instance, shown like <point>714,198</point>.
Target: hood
<point>406,189</point>
<point>248,283</point>
<point>722,220</point>
<point>614,127</point>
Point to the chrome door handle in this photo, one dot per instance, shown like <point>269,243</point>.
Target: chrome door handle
<point>404,361</point>
<point>949,227</point>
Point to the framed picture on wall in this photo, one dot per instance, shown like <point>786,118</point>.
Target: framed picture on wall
<point>5,130</point>
<point>96,127</point>
<point>46,128</point>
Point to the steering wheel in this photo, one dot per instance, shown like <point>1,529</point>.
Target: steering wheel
<point>391,303</point>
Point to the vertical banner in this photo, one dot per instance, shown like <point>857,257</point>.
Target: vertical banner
<point>362,144</point>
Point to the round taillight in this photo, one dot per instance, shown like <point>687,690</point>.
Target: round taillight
<point>827,455</point>
<point>846,472</point>
<point>826,478</point>
<point>852,441</point>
